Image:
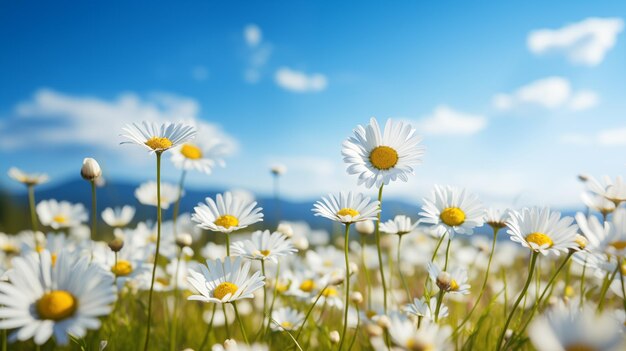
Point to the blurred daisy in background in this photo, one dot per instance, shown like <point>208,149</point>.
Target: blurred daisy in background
<point>429,336</point>
<point>598,203</point>
<point>452,281</point>
<point>399,225</point>
<point>146,194</point>
<point>226,213</point>
<point>347,207</point>
<point>286,318</point>
<point>542,230</point>
<point>28,179</point>
<point>119,216</point>
<point>263,246</point>
<point>158,137</point>
<point>452,210</point>
<point>496,218</point>
<point>614,191</point>
<point>62,214</point>
<point>421,308</point>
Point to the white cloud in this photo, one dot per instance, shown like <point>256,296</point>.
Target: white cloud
<point>300,82</point>
<point>612,137</point>
<point>446,121</point>
<point>585,42</point>
<point>252,35</point>
<point>258,53</point>
<point>550,93</point>
<point>200,73</point>
<point>606,137</point>
<point>54,119</point>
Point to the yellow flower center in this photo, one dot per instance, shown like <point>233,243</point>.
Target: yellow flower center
<point>329,292</point>
<point>286,325</point>
<point>10,249</point>
<point>383,157</point>
<point>307,285</point>
<point>122,268</point>
<point>370,314</point>
<point>569,291</point>
<point>454,286</point>
<point>224,289</point>
<point>618,245</point>
<point>281,288</point>
<point>61,219</point>
<point>56,305</point>
<point>579,347</point>
<point>159,143</point>
<point>265,252</point>
<point>348,212</point>
<point>227,221</point>
<point>539,239</point>
<point>163,281</point>
<point>416,345</point>
<point>452,216</point>
<point>53,258</point>
<point>191,151</point>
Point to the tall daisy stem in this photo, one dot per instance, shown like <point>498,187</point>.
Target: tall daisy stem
<point>531,269</point>
<point>378,247</point>
<point>308,313</point>
<point>158,245</point>
<point>445,265</point>
<point>176,210</point>
<point>227,244</point>
<point>226,321</point>
<point>31,204</point>
<point>243,330</point>
<point>264,297</point>
<point>406,287</point>
<point>94,211</point>
<point>347,282</point>
<point>368,282</point>
<point>609,278</point>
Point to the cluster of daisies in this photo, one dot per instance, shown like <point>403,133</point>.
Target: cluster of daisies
<point>429,280</point>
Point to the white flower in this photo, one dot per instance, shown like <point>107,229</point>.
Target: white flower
<point>613,191</point>
<point>452,210</point>
<point>91,169</point>
<point>347,207</point>
<point>129,265</point>
<point>429,336</point>
<point>542,230</point>
<point>400,225</point>
<point>379,157</point>
<point>27,178</point>
<point>41,299</point>
<point>263,246</point>
<point>232,345</point>
<point>451,281</point>
<point>286,318</point>
<point>365,227</point>
<point>201,155</point>
<point>158,137</point>
<point>224,281</point>
<point>605,241</point>
<point>496,218</point>
<point>575,328</point>
<point>61,214</point>
<point>119,216</point>
<point>226,214</point>
<point>598,203</point>
<point>146,193</point>
<point>421,308</point>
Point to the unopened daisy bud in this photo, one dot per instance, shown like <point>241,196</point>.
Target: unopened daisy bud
<point>383,322</point>
<point>301,243</point>
<point>365,227</point>
<point>183,240</point>
<point>90,170</point>
<point>373,330</point>
<point>334,337</point>
<point>278,169</point>
<point>508,334</point>
<point>354,268</point>
<point>444,281</point>
<point>116,245</point>
<point>230,344</point>
<point>581,241</point>
<point>583,178</point>
<point>356,297</point>
<point>285,229</point>
<point>336,278</point>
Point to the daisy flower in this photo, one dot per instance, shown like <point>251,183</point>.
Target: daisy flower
<point>542,230</point>
<point>429,336</point>
<point>612,191</point>
<point>61,214</point>
<point>379,157</point>
<point>286,318</point>
<point>264,246</point>
<point>226,214</point>
<point>224,281</point>
<point>158,137</point>
<point>605,241</point>
<point>496,218</point>
<point>598,203</point>
<point>41,299</point>
<point>146,193</point>
<point>27,178</point>
<point>129,264</point>
<point>347,207</point>
<point>421,308</point>
<point>400,225</point>
<point>119,216</point>
<point>574,328</point>
<point>452,210</point>
<point>200,155</point>
<point>454,281</point>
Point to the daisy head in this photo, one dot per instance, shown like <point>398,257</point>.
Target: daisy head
<point>158,137</point>
<point>429,336</point>
<point>40,299</point>
<point>226,213</point>
<point>347,207</point>
<point>452,210</point>
<point>380,156</point>
<point>200,155</point>
<point>400,225</point>
<point>422,308</point>
<point>542,230</point>
<point>606,238</point>
<point>29,179</point>
<point>119,216</point>
<point>146,194</point>
<point>614,191</point>
<point>286,318</point>
<point>496,218</point>
<point>451,281</point>
<point>263,246</point>
<point>62,214</point>
<point>224,281</point>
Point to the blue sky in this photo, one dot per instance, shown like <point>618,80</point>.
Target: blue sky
<point>508,112</point>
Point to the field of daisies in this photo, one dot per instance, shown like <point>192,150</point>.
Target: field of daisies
<point>83,277</point>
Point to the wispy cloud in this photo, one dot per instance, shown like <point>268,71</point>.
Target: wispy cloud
<point>549,93</point>
<point>605,137</point>
<point>258,52</point>
<point>586,42</point>
<point>446,121</point>
<point>300,82</point>
<point>252,34</point>
<point>200,73</point>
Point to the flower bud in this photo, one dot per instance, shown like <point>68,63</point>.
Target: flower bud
<point>285,229</point>
<point>354,268</point>
<point>356,297</point>
<point>373,330</point>
<point>365,227</point>
<point>336,278</point>
<point>278,169</point>
<point>301,243</point>
<point>90,170</point>
<point>183,239</point>
<point>444,281</point>
<point>116,245</point>
<point>230,344</point>
<point>383,322</point>
<point>334,337</point>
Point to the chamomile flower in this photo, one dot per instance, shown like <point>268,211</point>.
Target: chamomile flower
<point>158,137</point>
<point>347,207</point>
<point>29,179</point>
<point>421,308</point>
<point>224,281</point>
<point>429,336</point>
<point>41,299</point>
<point>572,328</point>
<point>605,239</point>
<point>400,225</point>
<point>286,318</point>
<point>226,213</point>
<point>263,246</point>
<point>129,265</point>
<point>542,230</point>
<point>380,156</point>
<point>201,155</point>
<point>452,281</point>
<point>598,203</point>
<point>496,218</point>
<point>119,216</point>
<point>452,210</point>
<point>61,214</point>
<point>146,193</point>
<point>614,191</point>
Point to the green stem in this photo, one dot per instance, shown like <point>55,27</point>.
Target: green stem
<point>227,244</point>
<point>347,282</point>
<point>432,259</point>
<point>358,324</point>
<point>226,321</point>
<point>380,255</point>
<point>274,294</point>
<point>158,245</point>
<point>264,296</point>
<point>94,215</point>
<point>439,301</point>
<point>582,283</point>
<point>31,204</point>
<point>175,312</point>
<point>176,210</point>
<point>368,282</point>
<point>531,269</point>
<point>208,330</point>
<point>445,266</point>
<point>308,313</point>
<point>243,330</point>
<point>609,278</point>
<point>406,287</point>
<point>621,279</point>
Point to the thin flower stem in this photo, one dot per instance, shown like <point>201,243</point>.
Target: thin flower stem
<point>273,294</point>
<point>380,255</point>
<point>158,245</point>
<point>31,204</point>
<point>176,210</point>
<point>264,295</point>
<point>445,266</point>
<point>243,330</point>
<point>531,269</point>
<point>227,244</point>
<point>175,312</point>
<point>308,313</point>
<point>439,300</point>
<point>358,324</point>
<point>347,282</point>
<point>608,279</point>
<point>208,330</point>
<point>582,283</point>
<point>406,287</point>
<point>288,333</point>
<point>94,211</point>
<point>226,321</point>
<point>367,274</point>
<point>437,247</point>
